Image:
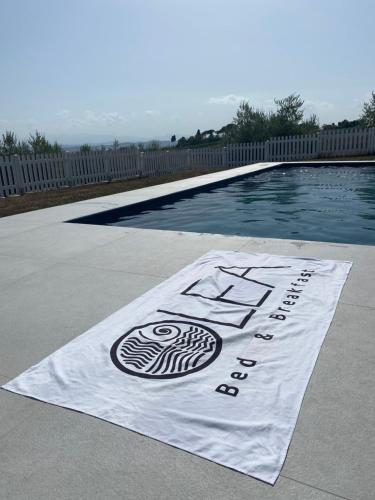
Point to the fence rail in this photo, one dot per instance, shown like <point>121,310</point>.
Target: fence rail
<point>19,175</point>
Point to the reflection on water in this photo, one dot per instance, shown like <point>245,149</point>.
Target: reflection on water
<point>322,203</point>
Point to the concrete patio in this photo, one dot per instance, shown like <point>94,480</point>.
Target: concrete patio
<point>58,279</point>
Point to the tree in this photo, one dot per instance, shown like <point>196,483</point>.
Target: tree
<point>9,143</point>
<point>23,148</point>
<point>85,148</point>
<point>56,148</point>
<point>182,142</point>
<point>343,124</point>
<point>250,125</point>
<point>40,145</point>
<point>288,116</point>
<point>309,126</point>
<point>208,133</point>
<point>290,108</point>
<point>227,132</point>
<point>368,111</point>
<point>349,123</point>
<point>253,125</point>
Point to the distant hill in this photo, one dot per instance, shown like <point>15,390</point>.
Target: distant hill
<point>109,143</point>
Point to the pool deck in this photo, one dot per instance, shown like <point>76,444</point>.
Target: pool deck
<point>59,279</point>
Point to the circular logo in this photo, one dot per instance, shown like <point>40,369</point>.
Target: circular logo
<point>166,349</point>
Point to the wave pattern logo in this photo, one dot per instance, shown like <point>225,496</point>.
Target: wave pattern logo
<point>166,349</point>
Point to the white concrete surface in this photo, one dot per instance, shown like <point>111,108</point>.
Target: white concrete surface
<point>58,279</point>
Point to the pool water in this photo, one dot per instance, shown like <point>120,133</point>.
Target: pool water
<point>331,203</point>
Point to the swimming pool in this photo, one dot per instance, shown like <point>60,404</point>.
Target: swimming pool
<point>331,203</point>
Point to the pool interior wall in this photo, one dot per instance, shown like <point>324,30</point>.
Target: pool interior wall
<point>293,201</point>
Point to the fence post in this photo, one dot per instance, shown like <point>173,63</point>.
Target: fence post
<point>67,162</point>
<point>319,145</point>
<point>372,147</point>
<point>138,161</point>
<point>141,163</point>
<point>107,170</point>
<point>224,159</point>
<point>188,159</point>
<point>267,151</point>
<point>17,174</point>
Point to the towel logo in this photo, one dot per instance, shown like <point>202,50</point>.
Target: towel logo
<point>166,349</point>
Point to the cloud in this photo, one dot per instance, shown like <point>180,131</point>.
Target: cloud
<point>269,103</point>
<point>107,118</point>
<point>63,113</point>
<point>31,124</point>
<point>4,125</point>
<point>358,103</point>
<point>90,117</point>
<point>175,118</point>
<point>319,104</point>
<point>152,112</point>
<point>227,99</point>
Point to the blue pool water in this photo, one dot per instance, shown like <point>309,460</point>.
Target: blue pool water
<point>331,203</point>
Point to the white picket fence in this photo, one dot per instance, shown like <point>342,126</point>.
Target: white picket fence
<point>36,173</point>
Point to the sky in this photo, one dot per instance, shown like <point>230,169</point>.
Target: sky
<point>93,70</point>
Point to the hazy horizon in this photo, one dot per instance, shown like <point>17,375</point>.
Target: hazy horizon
<point>138,70</point>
